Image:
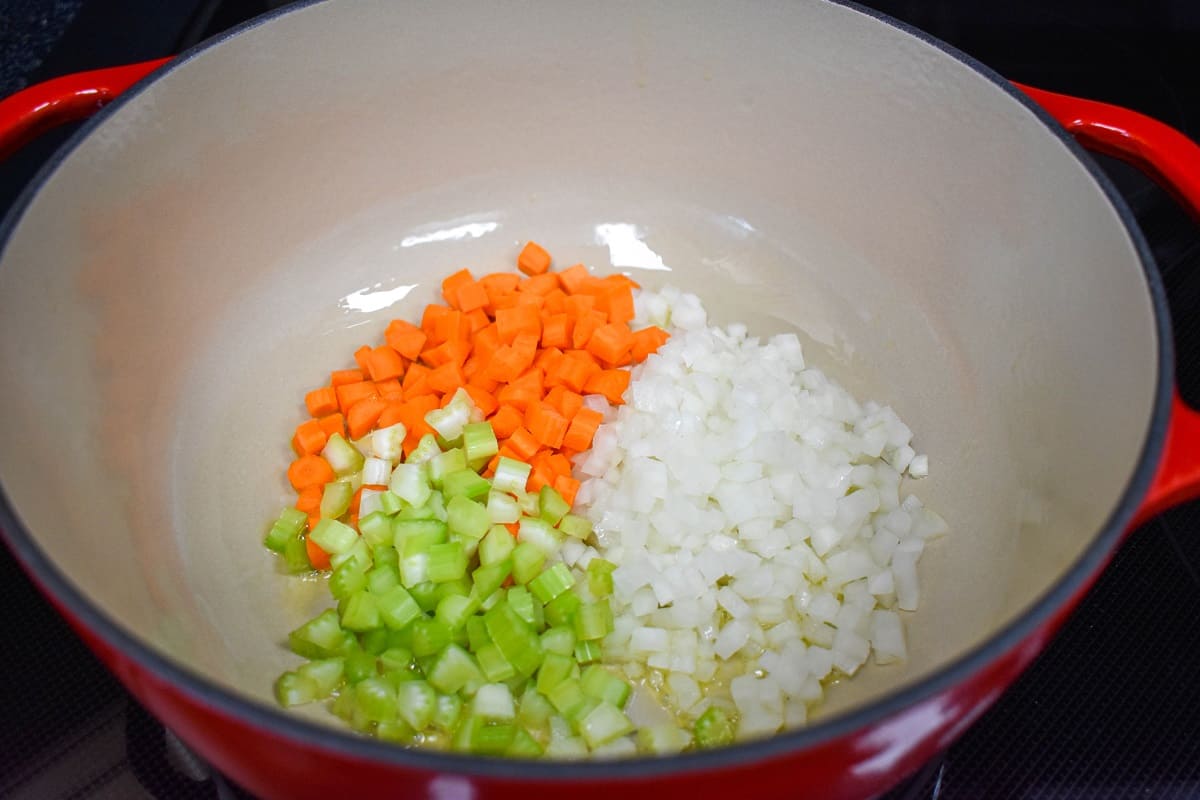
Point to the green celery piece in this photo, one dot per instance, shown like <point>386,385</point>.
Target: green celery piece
<point>555,669</point>
<point>447,713</point>
<point>400,637</point>
<point>575,526</point>
<point>289,525</point>
<point>477,635</point>
<point>294,689</point>
<point>490,577</point>
<point>539,533</point>
<point>599,575</point>
<point>423,511</point>
<point>465,483</point>
<point>511,475</point>
<point>427,448</point>
<point>494,703</point>
<point>429,637</point>
<point>359,665</point>
<point>446,562</point>
<point>552,582</point>
<point>496,545</point>
<point>452,669</point>
<point>323,634</point>
<point>561,610</point>
<point>493,599</point>
<point>343,706</point>
<point>593,621</point>
<point>426,531</point>
<point>460,587</point>
<point>663,739</point>
<point>426,595</point>
<point>515,638</point>
<point>376,528</point>
<point>567,697</point>
<point>522,602</point>
<point>528,503</point>
<point>295,556</point>
<point>374,641</point>
<point>604,723</point>
<point>325,673</point>
<point>385,554</point>
<point>397,731</point>
<point>523,746</point>
<point>551,505</point>
<point>588,652</point>
<point>467,517</point>
<point>335,499</point>
<point>333,537</point>
<point>454,610</point>
<point>437,506</point>
<point>479,442</point>
<point>397,608</point>
<point>464,733</point>
<point>398,677</point>
<point>342,456</point>
<point>278,537</point>
<point>361,612</point>
<point>601,684</point>
<point>493,740</point>
<point>410,483</point>
<point>359,552</point>
<point>390,503</point>
<point>494,665</point>
<point>534,710</point>
<point>444,463</point>
<point>502,508</point>
<point>376,698</point>
<point>396,659</point>
<point>713,729</point>
<point>346,579</point>
<point>527,562</point>
<point>382,577</point>
<point>416,703</point>
<point>560,639</point>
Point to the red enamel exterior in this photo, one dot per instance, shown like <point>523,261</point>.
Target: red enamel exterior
<point>859,763</point>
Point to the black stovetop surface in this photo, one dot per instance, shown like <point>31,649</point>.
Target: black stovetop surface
<point>1112,709</point>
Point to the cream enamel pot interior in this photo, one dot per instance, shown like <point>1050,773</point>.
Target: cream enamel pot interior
<point>218,240</point>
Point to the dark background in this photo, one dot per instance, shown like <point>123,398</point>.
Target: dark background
<point>1112,709</point>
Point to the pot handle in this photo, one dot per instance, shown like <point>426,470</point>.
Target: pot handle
<point>1173,161</point>
<point>31,112</point>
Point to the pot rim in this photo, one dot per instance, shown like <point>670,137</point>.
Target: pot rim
<point>70,600</point>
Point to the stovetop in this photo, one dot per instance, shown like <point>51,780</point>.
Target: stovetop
<point>1111,709</point>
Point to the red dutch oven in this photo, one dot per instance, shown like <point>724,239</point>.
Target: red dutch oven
<point>936,235</point>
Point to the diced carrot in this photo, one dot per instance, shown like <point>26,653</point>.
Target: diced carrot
<point>647,341</point>
<point>429,320</point>
<point>487,341</point>
<point>525,345</point>
<point>485,401</point>
<point>513,528</point>
<point>566,401</point>
<point>506,420</point>
<point>392,414</point>
<point>498,300</point>
<point>482,381</point>
<point>451,325</point>
<point>506,364</point>
<point>478,320</point>
<point>362,357</point>
<point>363,415</point>
<point>309,437</point>
<point>585,325</point>
<point>620,304</point>
<point>578,304</point>
<point>500,281</point>
<point>333,423</point>
<point>310,470</point>
<point>316,556</point>
<point>510,322</point>
<point>416,376</point>
<point>405,338</point>
<point>556,331</point>
<point>350,393</point>
<point>611,383</point>
<point>568,487</point>
<point>390,389</point>
<point>547,359</point>
<point>309,500</point>
<point>340,377</point>
<point>454,351</point>
<point>384,363</point>
<point>559,463</point>
<point>572,278</point>
<point>471,297</point>
<point>574,369</point>
<point>522,443</point>
<point>526,389</point>
<point>556,302</point>
<point>611,343</point>
<point>447,378</point>
<point>545,424</point>
<point>321,402</point>
<point>583,427</point>
<point>539,284</point>
<point>533,260</point>
<point>539,477</point>
<point>452,284</point>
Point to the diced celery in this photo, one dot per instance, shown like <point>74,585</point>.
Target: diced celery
<point>397,608</point>
<point>396,731</point>
<point>388,443</point>
<point>459,586</point>
<point>559,640</point>
<point>599,575</point>
<point>293,689</point>
<point>385,554</point>
<point>333,537</point>
<point>502,508</point>
<point>437,506</point>
<point>511,475</point>
<point>289,525</point>
<point>567,697</point>
<point>493,600</point>
<point>527,560</point>
<point>534,710</point>
<point>521,601</point>
<point>453,669</point>
<point>446,562</point>
<point>601,684</point>
<point>496,546</point>
<point>346,579</point>
<point>410,483</point>
<point>429,637</point>
<point>467,517</point>
<point>427,448</point>
<point>295,556</point>
<point>540,534</point>
<point>588,652</point>
<point>477,635</point>
<point>342,456</point>
<point>376,528</point>
<point>515,638</point>
<point>454,610</point>
<point>561,610</point>
<point>493,663</point>
<point>376,698</point>
<point>359,552</point>
<point>416,703</point>
<point>361,612</point>
<point>551,505</point>
<point>448,711</point>
<point>444,463</point>
<point>552,582</point>
<point>479,442</point>
<point>575,526</point>
<point>605,723</point>
<point>494,703</point>
<point>713,729</point>
<point>335,499</point>
<point>593,621</point>
<point>450,420</point>
<point>663,739</point>
<point>396,658</point>
<point>427,530</point>
<point>490,577</point>
<point>381,578</point>
<point>464,734</point>
<point>374,641</point>
<point>368,502</point>
<point>570,747</point>
<point>493,740</point>
<point>323,634</point>
<point>426,595</point>
<point>325,673</point>
<point>397,677</point>
<point>465,483</point>
<point>523,746</point>
<point>390,503</point>
<point>359,665</point>
<point>555,669</point>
